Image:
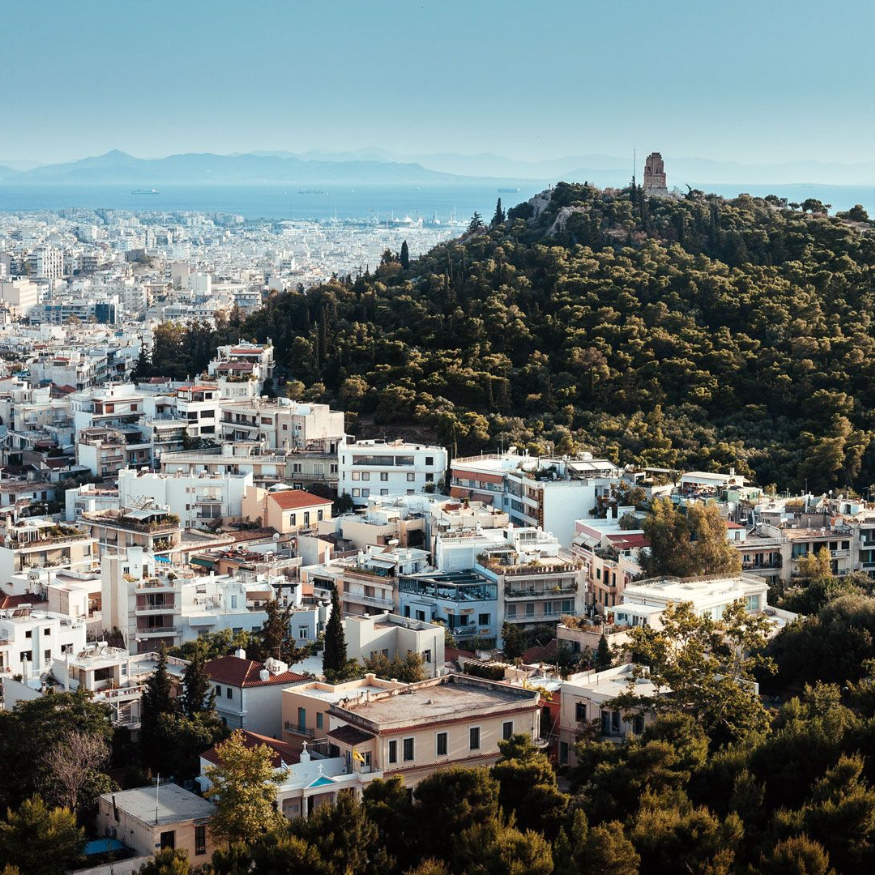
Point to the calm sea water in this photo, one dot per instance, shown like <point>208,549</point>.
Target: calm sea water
<point>276,202</point>
<point>360,202</point>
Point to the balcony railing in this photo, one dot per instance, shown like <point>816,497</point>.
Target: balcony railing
<point>537,593</point>
<point>298,730</point>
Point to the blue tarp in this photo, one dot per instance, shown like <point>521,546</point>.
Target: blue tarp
<point>102,846</point>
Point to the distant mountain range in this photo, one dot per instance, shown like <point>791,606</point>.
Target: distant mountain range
<point>119,168</point>
<point>374,165</point>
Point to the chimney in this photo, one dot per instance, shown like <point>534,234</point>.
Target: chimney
<point>240,654</point>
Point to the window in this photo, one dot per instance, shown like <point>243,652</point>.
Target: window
<point>483,620</point>
<point>384,492</point>
<point>356,493</point>
<point>293,519</point>
<point>411,478</point>
<point>302,718</point>
<point>302,633</point>
<point>474,738</point>
<point>507,729</point>
<point>384,476</point>
<point>218,690</point>
<point>441,744</point>
<point>28,633</point>
<point>320,717</point>
<point>47,655</point>
<point>579,711</point>
<point>366,475</point>
<point>567,606</point>
<point>356,475</point>
<point>393,751</point>
<point>511,610</point>
<point>429,460</point>
<point>563,753</point>
<point>168,839</point>
<point>408,750</point>
<point>200,840</point>
<point>429,478</point>
<point>530,609</point>
<point>366,493</point>
<point>229,693</point>
<point>426,656</point>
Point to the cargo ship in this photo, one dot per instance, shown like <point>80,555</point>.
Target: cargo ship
<point>145,191</point>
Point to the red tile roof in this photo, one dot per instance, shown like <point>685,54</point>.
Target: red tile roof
<point>16,601</point>
<point>731,525</point>
<point>237,672</point>
<point>289,499</point>
<point>282,752</point>
<point>351,735</point>
<point>545,653</point>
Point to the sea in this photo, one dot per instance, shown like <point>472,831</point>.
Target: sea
<point>377,203</point>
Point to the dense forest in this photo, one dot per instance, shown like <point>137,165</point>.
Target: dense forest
<point>689,332</point>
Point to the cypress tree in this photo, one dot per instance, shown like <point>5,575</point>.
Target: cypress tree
<point>603,657</point>
<point>405,255</point>
<point>334,655</point>
<point>499,217</point>
<point>198,694</point>
<point>156,701</point>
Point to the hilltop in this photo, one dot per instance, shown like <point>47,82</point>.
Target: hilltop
<point>680,332</point>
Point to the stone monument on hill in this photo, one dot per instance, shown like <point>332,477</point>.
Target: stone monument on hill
<point>654,176</point>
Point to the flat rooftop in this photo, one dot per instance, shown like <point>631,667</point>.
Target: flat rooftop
<point>170,804</point>
<point>606,685</point>
<point>429,702</point>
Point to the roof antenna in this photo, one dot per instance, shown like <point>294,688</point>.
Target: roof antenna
<point>634,164</point>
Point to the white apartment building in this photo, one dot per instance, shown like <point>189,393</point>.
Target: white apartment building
<point>197,499</point>
<point>394,636</point>
<point>282,424</point>
<point>30,640</point>
<point>377,468</point>
<point>19,295</point>
<point>548,493</point>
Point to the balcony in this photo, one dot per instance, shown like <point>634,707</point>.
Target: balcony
<point>355,598</point>
<point>298,730</point>
<point>532,592</point>
<point>157,630</point>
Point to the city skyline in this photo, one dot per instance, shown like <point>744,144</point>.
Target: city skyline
<point>448,78</point>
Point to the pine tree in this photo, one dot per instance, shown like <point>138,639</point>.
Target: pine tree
<point>198,695</point>
<point>405,255</point>
<point>143,367</point>
<point>499,217</point>
<point>476,222</point>
<point>334,656</point>
<point>275,638</point>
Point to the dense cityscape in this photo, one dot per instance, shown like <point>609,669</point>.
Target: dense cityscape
<point>437,439</point>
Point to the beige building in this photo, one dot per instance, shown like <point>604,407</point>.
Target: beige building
<point>391,635</point>
<point>305,706</point>
<point>147,819</point>
<point>454,720</point>
<point>587,700</point>
<point>288,510</point>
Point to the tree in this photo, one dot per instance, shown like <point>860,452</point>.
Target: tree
<point>497,849</point>
<point>797,855</point>
<point>404,258</point>
<point>198,695</point>
<point>603,656</point>
<point>276,635</point>
<point>514,640</point>
<point>335,664</point>
<point>243,787</point>
<point>528,787</point>
<point>40,840</point>
<point>702,666</point>
<point>73,764</point>
<point>688,545</point>
<point>476,223</point>
<point>499,216</point>
<point>157,700</point>
<point>409,668</point>
<point>167,861</point>
<point>143,368</point>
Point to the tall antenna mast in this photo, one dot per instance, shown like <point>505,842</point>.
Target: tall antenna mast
<point>634,164</point>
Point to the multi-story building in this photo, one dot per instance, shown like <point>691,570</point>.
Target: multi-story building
<point>394,636</point>
<point>452,720</point>
<point>546,493</point>
<point>154,529</point>
<point>196,499</point>
<point>379,468</point>
<point>286,510</point>
<point>42,543</point>
<point>538,581</point>
<point>282,424</point>
<point>587,700</point>
<point>30,640</point>
<point>466,602</point>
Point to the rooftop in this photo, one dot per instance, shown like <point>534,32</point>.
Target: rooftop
<point>170,804</point>
<point>239,672</point>
<point>290,499</point>
<point>445,698</point>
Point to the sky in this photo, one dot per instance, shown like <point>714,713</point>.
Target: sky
<point>757,82</point>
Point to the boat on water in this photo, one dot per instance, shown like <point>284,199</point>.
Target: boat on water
<point>508,190</point>
<point>311,191</point>
<point>145,191</point>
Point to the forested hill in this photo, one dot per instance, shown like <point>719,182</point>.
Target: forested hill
<point>696,332</point>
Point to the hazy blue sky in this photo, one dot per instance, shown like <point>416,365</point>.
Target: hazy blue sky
<point>758,81</point>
